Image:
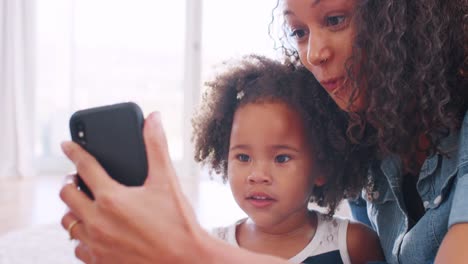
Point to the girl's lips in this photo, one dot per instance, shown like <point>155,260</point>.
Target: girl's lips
<point>260,200</point>
<point>260,203</point>
<point>332,84</point>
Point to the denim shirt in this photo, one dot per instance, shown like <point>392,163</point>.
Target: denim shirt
<point>443,188</point>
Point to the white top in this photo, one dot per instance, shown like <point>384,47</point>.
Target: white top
<point>330,237</point>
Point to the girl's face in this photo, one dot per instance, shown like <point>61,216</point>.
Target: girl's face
<point>323,33</point>
<point>270,167</point>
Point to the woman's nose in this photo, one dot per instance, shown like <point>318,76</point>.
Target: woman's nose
<point>318,51</point>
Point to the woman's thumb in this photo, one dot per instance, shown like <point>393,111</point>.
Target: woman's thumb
<point>160,169</point>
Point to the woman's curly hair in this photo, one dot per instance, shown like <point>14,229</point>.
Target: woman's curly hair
<point>257,79</point>
<point>412,57</point>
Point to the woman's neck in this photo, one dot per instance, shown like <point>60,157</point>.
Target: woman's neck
<point>413,163</point>
<point>284,240</point>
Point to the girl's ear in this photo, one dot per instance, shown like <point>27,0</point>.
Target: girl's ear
<point>320,180</point>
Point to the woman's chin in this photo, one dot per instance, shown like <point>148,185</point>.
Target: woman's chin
<point>343,104</point>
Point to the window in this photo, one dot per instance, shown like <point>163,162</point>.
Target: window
<point>97,52</point>
<point>235,28</point>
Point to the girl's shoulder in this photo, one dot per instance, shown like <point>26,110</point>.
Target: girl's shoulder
<point>357,242</point>
<point>332,225</point>
<point>227,233</point>
<point>363,243</point>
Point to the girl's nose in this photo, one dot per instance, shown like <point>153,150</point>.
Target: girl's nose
<point>260,175</point>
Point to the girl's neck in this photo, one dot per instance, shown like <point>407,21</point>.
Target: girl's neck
<point>284,240</point>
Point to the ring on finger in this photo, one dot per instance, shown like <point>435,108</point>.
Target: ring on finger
<point>71,226</point>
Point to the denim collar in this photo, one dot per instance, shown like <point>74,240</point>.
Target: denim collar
<point>392,166</point>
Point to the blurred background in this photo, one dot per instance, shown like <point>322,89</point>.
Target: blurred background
<point>59,56</point>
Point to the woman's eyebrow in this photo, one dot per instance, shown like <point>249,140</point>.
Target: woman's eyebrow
<point>289,12</point>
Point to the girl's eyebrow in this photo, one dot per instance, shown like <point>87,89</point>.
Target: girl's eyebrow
<point>239,147</point>
<point>287,147</point>
<point>276,147</point>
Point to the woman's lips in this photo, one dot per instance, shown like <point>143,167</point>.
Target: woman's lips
<point>331,85</point>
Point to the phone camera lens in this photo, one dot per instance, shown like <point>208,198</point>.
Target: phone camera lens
<point>81,133</point>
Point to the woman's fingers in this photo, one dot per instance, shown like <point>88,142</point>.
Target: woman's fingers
<point>88,168</point>
<point>70,178</point>
<point>160,170</point>
<point>83,254</point>
<point>76,200</point>
<point>161,173</point>
<point>128,223</point>
<point>74,227</point>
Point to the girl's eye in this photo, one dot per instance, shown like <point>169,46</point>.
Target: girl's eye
<point>282,158</point>
<point>243,158</point>
<point>335,21</point>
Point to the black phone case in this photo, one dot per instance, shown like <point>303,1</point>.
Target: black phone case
<point>113,134</point>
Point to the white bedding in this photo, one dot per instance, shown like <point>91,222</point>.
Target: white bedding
<point>40,244</point>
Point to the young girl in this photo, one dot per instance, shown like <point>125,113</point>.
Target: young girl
<point>269,129</point>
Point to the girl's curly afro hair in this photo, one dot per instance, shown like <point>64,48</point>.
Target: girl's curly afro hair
<point>257,79</point>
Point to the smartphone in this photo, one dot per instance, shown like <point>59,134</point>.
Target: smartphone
<point>113,134</point>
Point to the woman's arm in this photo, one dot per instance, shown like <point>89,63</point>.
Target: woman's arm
<point>454,248</point>
<point>153,223</point>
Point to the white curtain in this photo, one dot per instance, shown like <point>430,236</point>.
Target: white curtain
<point>16,91</point>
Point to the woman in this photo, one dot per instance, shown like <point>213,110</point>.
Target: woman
<point>404,84</point>
<point>399,68</point>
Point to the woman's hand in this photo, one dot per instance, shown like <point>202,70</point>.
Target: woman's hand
<point>453,248</point>
<point>153,223</point>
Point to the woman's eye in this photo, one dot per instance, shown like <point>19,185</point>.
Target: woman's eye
<point>335,21</point>
<point>243,158</point>
<point>282,158</point>
<point>297,33</point>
